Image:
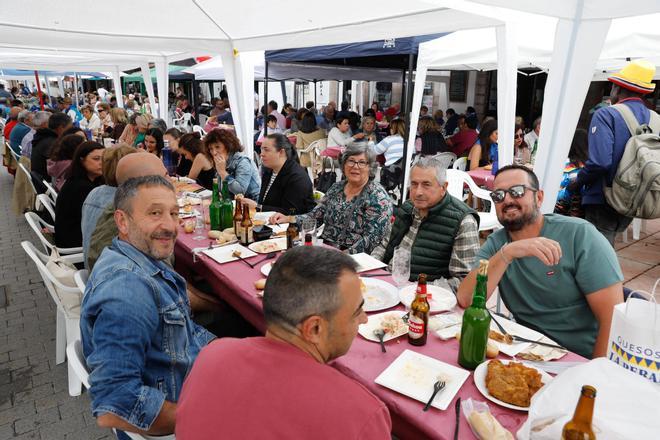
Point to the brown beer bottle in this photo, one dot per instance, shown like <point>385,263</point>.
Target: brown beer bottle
<point>292,231</point>
<point>419,314</point>
<point>579,428</point>
<point>238,215</point>
<point>246,227</point>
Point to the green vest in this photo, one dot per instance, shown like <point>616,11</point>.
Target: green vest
<point>431,250</point>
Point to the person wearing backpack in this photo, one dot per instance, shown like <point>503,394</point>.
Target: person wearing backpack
<point>608,136</point>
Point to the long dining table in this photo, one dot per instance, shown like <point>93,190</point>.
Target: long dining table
<point>233,282</point>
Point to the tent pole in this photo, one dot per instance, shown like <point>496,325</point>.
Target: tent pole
<point>265,95</point>
<point>75,89</point>
<point>406,111</point>
<point>41,96</point>
<point>50,103</point>
<point>315,94</point>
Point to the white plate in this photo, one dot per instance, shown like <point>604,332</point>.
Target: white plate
<point>268,246</point>
<point>265,269</point>
<point>480,381</point>
<point>224,254</point>
<point>374,322</point>
<point>367,262</point>
<point>442,300</point>
<point>379,295</point>
<point>413,375</point>
<point>513,328</point>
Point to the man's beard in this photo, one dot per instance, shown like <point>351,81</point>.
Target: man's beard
<point>516,224</point>
<point>136,238</point>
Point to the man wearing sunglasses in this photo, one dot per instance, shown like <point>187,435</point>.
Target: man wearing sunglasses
<point>556,274</point>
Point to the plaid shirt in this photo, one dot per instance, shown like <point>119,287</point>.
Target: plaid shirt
<point>463,254</point>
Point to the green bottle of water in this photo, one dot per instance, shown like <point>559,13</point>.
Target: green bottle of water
<point>476,324</point>
<point>215,209</point>
<point>227,209</point>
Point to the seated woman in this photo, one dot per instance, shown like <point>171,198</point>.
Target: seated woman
<point>356,211</point>
<point>271,127</point>
<point>285,185</point>
<point>521,152</point>
<point>86,174</point>
<point>296,122</point>
<point>309,132</point>
<point>153,141</point>
<point>340,137</point>
<point>432,140</point>
<point>369,129</point>
<point>480,153</point>
<point>119,121</point>
<point>90,120</point>
<point>59,162</point>
<point>183,165</point>
<point>222,149</point>
<point>136,129</point>
<point>392,145</point>
<point>192,149</point>
<point>104,115</point>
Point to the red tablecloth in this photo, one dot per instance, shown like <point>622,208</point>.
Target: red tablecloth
<point>482,178</point>
<point>234,283</point>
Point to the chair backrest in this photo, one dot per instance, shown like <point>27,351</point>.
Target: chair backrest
<point>52,193</point>
<point>81,279</point>
<point>47,202</point>
<point>202,119</point>
<point>318,146</point>
<point>76,361</point>
<point>454,176</point>
<point>446,159</point>
<point>198,129</point>
<point>29,177</point>
<point>460,164</point>
<point>38,225</point>
<point>455,184</point>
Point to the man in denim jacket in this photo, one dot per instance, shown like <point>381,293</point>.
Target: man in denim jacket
<point>138,338</point>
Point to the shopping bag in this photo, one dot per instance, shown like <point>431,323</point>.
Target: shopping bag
<point>634,341</point>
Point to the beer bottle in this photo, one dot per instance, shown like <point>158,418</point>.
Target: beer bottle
<point>215,208</point>
<point>246,227</point>
<point>419,314</point>
<point>476,324</point>
<point>227,209</point>
<point>238,215</point>
<point>580,425</point>
<point>292,231</point>
<point>308,239</point>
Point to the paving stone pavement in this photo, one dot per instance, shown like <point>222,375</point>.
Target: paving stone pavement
<point>34,400</point>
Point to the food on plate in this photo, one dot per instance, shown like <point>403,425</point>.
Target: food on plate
<point>256,222</point>
<point>393,324</point>
<point>228,236</point>
<point>530,356</point>
<point>492,350</point>
<point>214,234</point>
<point>363,287</point>
<point>189,226</point>
<point>512,383</point>
<point>487,427</point>
<point>236,253</point>
<point>266,247</point>
<point>260,284</point>
<point>499,337</point>
<point>228,231</point>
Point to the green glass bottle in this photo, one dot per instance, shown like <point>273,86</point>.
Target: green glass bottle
<point>476,324</point>
<point>227,210</point>
<point>215,209</point>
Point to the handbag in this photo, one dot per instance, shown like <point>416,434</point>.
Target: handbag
<point>326,179</point>
<point>63,271</point>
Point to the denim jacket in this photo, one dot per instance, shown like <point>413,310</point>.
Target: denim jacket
<point>138,338</point>
<point>243,176</point>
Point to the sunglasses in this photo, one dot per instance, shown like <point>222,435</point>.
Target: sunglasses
<point>518,136</point>
<point>516,192</point>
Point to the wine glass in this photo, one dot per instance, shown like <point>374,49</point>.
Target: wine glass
<point>200,225</point>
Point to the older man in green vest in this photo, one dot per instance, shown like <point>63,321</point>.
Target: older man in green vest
<point>440,231</point>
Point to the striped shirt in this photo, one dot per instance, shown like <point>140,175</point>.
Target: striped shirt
<point>392,146</point>
<point>463,254</point>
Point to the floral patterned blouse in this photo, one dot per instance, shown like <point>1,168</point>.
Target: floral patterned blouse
<point>358,225</point>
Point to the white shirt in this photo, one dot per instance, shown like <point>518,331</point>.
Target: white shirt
<point>93,124</point>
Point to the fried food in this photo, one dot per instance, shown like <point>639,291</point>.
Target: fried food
<point>512,383</point>
<point>497,336</point>
<point>260,284</point>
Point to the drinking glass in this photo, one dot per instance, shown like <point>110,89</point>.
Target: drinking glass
<point>401,267</point>
<point>200,225</point>
<point>309,227</point>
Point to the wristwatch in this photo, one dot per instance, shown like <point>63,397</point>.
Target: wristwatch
<point>259,206</point>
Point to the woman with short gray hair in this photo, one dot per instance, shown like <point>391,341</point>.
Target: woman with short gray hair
<point>356,211</point>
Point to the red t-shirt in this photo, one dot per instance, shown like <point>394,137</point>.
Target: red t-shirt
<point>259,388</point>
<point>9,127</point>
<point>462,141</point>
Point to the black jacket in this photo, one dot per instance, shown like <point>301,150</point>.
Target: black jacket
<point>68,211</point>
<point>42,144</point>
<point>291,189</point>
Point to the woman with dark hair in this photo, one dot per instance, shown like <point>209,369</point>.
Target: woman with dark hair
<point>222,149</point>
<point>192,149</point>
<point>59,163</point>
<point>153,141</point>
<point>481,152</point>
<point>570,202</point>
<point>340,137</point>
<point>285,184</point>
<point>86,174</point>
<point>308,133</point>
<point>296,122</point>
<point>433,142</point>
<point>183,165</point>
<point>521,151</point>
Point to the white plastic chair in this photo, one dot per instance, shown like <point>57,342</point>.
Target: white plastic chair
<point>38,225</point>
<point>52,193</point>
<point>460,164</point>
<point>198,129</point>
<point>48,204</point>
<point>314,150</point>
<point>81,279</point>
<point>456,179</point>
<point>67,326</point>
<point>202,119</point>
<point>446,159</point>
<point>29,176</point>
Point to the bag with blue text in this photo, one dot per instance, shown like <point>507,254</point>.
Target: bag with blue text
<point>634,342</point>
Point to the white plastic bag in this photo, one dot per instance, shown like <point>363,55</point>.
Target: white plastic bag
<point>626,404</point>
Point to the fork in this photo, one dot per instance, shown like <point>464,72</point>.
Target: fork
<point>520,338</point>
<point>437,387</point>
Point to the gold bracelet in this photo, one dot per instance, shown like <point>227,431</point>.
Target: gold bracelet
<point>503,256</point>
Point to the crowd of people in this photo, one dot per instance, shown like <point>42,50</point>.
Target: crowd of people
<point>154,370</point>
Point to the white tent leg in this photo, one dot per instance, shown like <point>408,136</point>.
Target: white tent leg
<point>576,50</point>
<point>48,91</point>
<point>146,75</point>
<point>60,86</point>
<point>162,80</point>
<point>116,81</point>
<point>418,92</point>
<point>507,73</point>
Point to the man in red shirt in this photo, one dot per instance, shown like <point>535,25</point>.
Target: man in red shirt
<point>279,386</point>
<point>462,141</point>
<point>11,121</point>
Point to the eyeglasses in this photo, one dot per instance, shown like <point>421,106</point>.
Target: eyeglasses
<point>516,192</point>
<point>360,163</point>
<point>519,136</point>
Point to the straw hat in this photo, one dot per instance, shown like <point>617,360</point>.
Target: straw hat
<point>636,76</point>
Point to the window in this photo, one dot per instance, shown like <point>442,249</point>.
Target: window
<point>458,83</point>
